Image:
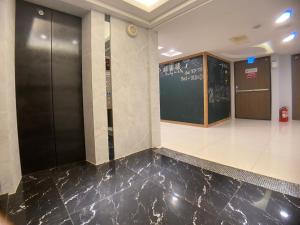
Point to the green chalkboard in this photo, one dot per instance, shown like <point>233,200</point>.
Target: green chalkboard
<point>218,89</point>
<point>181,91</point>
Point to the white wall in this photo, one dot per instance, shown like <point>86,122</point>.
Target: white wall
<point>285,83</point>
<point>281,85</point>
<point>275,88</point>
<point>10,171</point>
<point>135,88</point>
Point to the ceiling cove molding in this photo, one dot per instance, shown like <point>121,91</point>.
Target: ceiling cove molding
<point>178,11</point>
<point>107,9</point>
<point>98,5</point>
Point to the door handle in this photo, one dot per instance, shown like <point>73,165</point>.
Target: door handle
<point>253,90</point>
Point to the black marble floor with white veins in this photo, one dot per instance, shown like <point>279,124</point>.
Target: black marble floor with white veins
<point>144,188</point>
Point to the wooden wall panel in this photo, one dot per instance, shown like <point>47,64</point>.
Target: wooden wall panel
<point>296,86</point>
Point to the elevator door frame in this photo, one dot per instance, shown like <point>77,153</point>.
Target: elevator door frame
<point>31,44</point>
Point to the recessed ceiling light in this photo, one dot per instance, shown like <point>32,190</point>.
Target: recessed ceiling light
<point>284,16</point>
<point>171,53</point>
<point>147,5</point>
<point>74,42</point>
<point>160,47</point>
<point>290,37</point>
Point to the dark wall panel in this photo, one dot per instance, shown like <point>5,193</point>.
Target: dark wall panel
<point>181,91</point>
<point>67,87</point>
<point>33,87</point>
<point>219,105</point>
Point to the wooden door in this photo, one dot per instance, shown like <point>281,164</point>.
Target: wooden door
<point>296,86</point>
<point>253,89</point>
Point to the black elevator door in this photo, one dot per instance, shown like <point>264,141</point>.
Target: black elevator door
<point>48,87</point>
<point>67,87</point>
<point>33,88</point>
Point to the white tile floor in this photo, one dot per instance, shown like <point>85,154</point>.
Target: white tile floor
<point>264,147</point>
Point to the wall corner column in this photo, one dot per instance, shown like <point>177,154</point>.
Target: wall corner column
<point>94,88</point>
<point>10,167</point>
<point>154,88</point>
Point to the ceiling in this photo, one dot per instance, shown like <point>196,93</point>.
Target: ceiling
<point>124,10</point>
<point>210,28</point>
<point>192,26</point>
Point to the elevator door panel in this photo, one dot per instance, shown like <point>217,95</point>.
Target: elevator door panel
<point>33,87</point>
<point>67,87</point>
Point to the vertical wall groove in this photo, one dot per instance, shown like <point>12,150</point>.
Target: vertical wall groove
<point>52,92</point>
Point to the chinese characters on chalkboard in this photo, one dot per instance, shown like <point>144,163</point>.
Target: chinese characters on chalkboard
<point>219,85</point>
<point>188,70</point>
<point>181,90</point>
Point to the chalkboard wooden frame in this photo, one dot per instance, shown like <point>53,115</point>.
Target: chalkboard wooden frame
<point>182,58</point>
<point>205,89</point>
<point>204,56</point>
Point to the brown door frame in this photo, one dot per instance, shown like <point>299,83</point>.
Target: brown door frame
<point>270,88</point>
<point>293,89</point>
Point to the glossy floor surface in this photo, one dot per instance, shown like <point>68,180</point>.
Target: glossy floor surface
<point>145,188</point>
<point>268,148</point>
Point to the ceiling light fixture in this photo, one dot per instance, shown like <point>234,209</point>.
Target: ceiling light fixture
<point>147,5</point>
<point>171,53</point>
<point>160,47</point>
<point>284,16</point>
<point>290,37</point>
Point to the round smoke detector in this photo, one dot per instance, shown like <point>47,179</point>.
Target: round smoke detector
<point>132,30</point>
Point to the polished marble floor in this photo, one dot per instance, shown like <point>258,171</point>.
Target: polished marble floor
<point>145,188</point>
<point>263,147</point>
